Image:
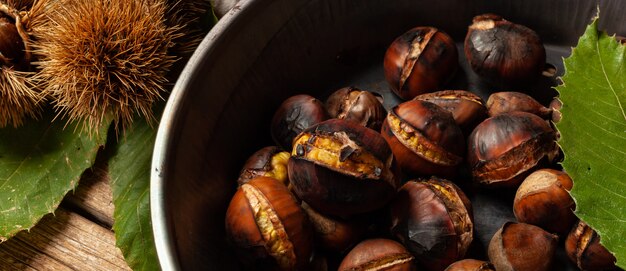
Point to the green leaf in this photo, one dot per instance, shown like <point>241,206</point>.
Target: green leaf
<point>39,163</point>
<point>593,134</point>
<point>130,182</point>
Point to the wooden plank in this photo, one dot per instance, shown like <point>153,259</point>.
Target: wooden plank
<point>92,198</point>
<point>66,241</point>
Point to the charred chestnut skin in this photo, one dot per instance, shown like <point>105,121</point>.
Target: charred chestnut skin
<point>584,249</point>
<point>269,161</point>
<point>441,142</point>
<point>502,52</point>
<point>471,265</point>
<point>467,108</point>
<point>504,149</point>
<point>356,105</point>
<point>378,254</point>
<point>419,61</point>
<point>261,200</point>
<point>511,101</point>
<point>433,219</point>
<point>543,200</point>
<point>522,247</point>
<point>294,115</point>
<point>341,192</point>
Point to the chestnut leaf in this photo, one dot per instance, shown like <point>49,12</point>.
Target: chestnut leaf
<point>593,134</point>
<point>39,163</point>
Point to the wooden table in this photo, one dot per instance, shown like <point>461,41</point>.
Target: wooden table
<point>77,236</point>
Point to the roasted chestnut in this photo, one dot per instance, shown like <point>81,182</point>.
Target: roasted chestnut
<point>11,44</point>
<point>503,52</point>
<point>433,219</point>
<point>510,101</point>
<point>360,106</point>
<point>467,108</point>
<point>424,139</point>
<point>267,226</point>
<point>522,247</point>
<point>420,61</point>
<point>269,162</point>
<point>471,265</point>
<point>293,116</point>
<point>543,200</point>
<point>334,234</point>
<point>503,149</point>
<point>378,254</point>
<point>342,168</point>
<point>584,249</point>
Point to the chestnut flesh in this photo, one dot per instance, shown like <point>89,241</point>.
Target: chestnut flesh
<point>504,149</point>
<point>467,109</point>
<point>356,105</point>
<point>419,61</point>
<point>502,52</point>
<point>342,168</point>
<point>424,138</point>
<point>268,227</point>
<point>522,247</point>
<point>470,265</point>
<point>378,254</point>
<point>269,161</point>
<point>294,115</point>
<point>510,101</point>
<point>433,219</point>
<point>583,248</point>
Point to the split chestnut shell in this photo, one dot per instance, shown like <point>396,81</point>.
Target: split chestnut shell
<point>342,168</point>
<point>584,249</point>
<point>378,254</point>
<point>356,105</point>
<point>467,109</point>
<point>269,162</point>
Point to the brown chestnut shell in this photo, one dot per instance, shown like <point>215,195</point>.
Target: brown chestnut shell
<point>470,265</point>
<point>334,234</point>
<point>293,116</point>
<point>378,254</point>
<point>11,44</point>
<point>269,161</point>
<point>356,105</point>
<point>584,249</point>
<point>467,108</point>
<point>522,247</point>
<point>420,61</point>
<point>510,101</point>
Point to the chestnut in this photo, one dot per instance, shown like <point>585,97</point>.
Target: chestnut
<point>502,52</point>
<point>467,109</point>
<point>433,219</point>
<point>503,150</point>
<point>11,44</point>
<point>584,249</point>
<point>356,105</point>
<point>510,101</point>
<point>424,139</point>
<point>342,168</point>
<point>419,61</point>
<point>543,200</point>
<point>269,161</point>
<point>378,254</point>
<point>268,227</point>
<point>334,234</point>
<point>294,115</point>
<point>471,265</point>
<point>522,247</point>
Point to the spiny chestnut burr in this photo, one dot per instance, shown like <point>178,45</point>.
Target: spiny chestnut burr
<point>420,61</point>
<point>543,200</point>
<point>467,108</point>
<point>342,168</point>
<point>503,149</point>
<point>294,115</point>
<point>522,247</point>
<point>503,52</point>
<point>433,219</point>
<point>424,139</point>
<point>378,254</point>
<point>268,227</point>
<point>583,248</point>
<point>335,234</point>
<point>471,265</point>
<point>360,106</point>
<point>510,101</point>
<point>269,161</point>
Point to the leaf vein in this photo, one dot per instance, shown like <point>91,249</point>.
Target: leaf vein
<point>619,103</point>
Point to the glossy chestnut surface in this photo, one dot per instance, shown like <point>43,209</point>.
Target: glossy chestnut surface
<point>470,265</point>
<point>11,44</point>
<point>335,234</point>
<point>420,61</point>
<point>583,248</point>
<point>467,108</point>
<point>293,116</point>
<point>511,101</point>
<point>522,247</point>
<point>356,105</point>
<point>269,161</point>
<point>378,254</point>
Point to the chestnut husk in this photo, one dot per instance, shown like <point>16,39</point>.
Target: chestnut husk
<point>584,249</point>
<point>268,196</point>
<point>378,254</point>
<point>356,105</point>
<point>419,61</point>
<point>293,116</point>
<point>522,247</point>
<point>440,145</point>
<point>269,161</point>
<point>433,219</point>
<point>511,101</point>
<point>504,53</point>
<point>504,149</point>
<point>470,265</point>
<point>333,190</point>
<point>467,108</point>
